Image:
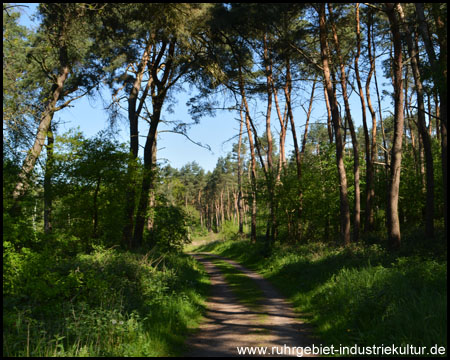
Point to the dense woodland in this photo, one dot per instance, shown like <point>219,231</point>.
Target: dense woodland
<point>74,206</point>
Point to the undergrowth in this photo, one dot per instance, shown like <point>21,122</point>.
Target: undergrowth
<point>106,303</point>
<point>361,294</point>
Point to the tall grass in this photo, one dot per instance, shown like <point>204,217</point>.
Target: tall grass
<point>357,295</point>
<point>108,303</point>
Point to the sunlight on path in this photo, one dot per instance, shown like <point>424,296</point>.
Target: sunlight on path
<point>229,324</point>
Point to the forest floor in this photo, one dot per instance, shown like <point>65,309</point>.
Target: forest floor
<point>230,324</point>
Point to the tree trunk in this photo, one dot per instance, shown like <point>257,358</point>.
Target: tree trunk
<point>370,147</point>
<point>287,93</point>
<point>439,74</point>
<point>441,30</point>
<point>252,180</point>
<point>44,125</point>
<point>252,129</point>
<point>95,205</point>
<point>152,195</point>
<point>357,221</point>
<point>48,196</point>
<point>271,221</point>
<point>413,53</point>
<point>343,190</point>
<point>133,118</point>
<point>329,125</point>
<point>283,130</point>
<point>239,199</point>
<point>394,235</point>
<point>147,180</point>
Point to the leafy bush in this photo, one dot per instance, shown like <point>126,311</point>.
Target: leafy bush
<point>229,230</point>
<point>171,229</point>
<point>107,303</point>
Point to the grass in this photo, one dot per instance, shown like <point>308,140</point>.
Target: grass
<point>357,295</point>
<point>244,288</point>
<point>107,303</point>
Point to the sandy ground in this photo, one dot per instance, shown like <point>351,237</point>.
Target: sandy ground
<point>228,324</point>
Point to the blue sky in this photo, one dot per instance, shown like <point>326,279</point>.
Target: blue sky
<point>175,149</point>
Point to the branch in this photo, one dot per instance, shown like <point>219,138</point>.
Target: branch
<point>306,57</point>
<point>67,103</point>
<point>380,163</point>
<point>207,147</point>
<point>373,7</point>
<point>433,116</point>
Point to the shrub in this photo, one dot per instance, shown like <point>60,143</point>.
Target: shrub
<point>107,303</point>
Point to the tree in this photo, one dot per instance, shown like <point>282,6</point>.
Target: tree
<point>370,144</point>
<point>357,221</point>
<point>133,44</point>
<point>58,52</point>
<point>173,56</point>
<point>439,74</point>
<point>88,178</point>
<point>393,221</point>
<point>343,190</point>
<point>413,53</point>
<point>19,93</point>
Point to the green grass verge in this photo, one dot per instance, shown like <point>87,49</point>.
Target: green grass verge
<point>245,289</point>
<point>107,303</point>
<point>358,295</point>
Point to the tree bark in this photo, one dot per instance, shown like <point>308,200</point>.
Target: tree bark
<point>252,178</point>
<point>370,147</point>
<point>287,93</point>
<point>394,235</point>
<point>413,53</point>
<point>283,130</point>
<point>48,195</point>
<point>343,190</point>
<point>148,174</point>
<point>271,222</point>
<point>46,118</point>
<point>133,118</point>
<point>356,171</point>
<point>439,75</point>
<point>239,175</point>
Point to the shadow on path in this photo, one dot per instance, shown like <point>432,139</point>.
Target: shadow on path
<point>228,324</point>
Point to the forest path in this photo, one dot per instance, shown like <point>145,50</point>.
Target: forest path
<point>229,324</point>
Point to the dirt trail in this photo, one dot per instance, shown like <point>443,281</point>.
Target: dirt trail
<point>229,324</point>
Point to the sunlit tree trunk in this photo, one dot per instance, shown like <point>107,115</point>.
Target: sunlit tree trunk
<point>394,235</point>
<point>370,192</point>
<point>356,171</point>
<point>343,190</point>
<point>239,178</point>
<point>133,118</point>
<point>44,125</point>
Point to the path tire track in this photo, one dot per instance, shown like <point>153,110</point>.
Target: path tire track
<point>228,324</point>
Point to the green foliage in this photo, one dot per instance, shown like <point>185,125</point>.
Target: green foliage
<point>229,230</point>
<point>356,295</point>
<point>64,294</point>
<point>171,229</point>
<point>89,178</point>
<point>107,303</point>
<point>408,298</point>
